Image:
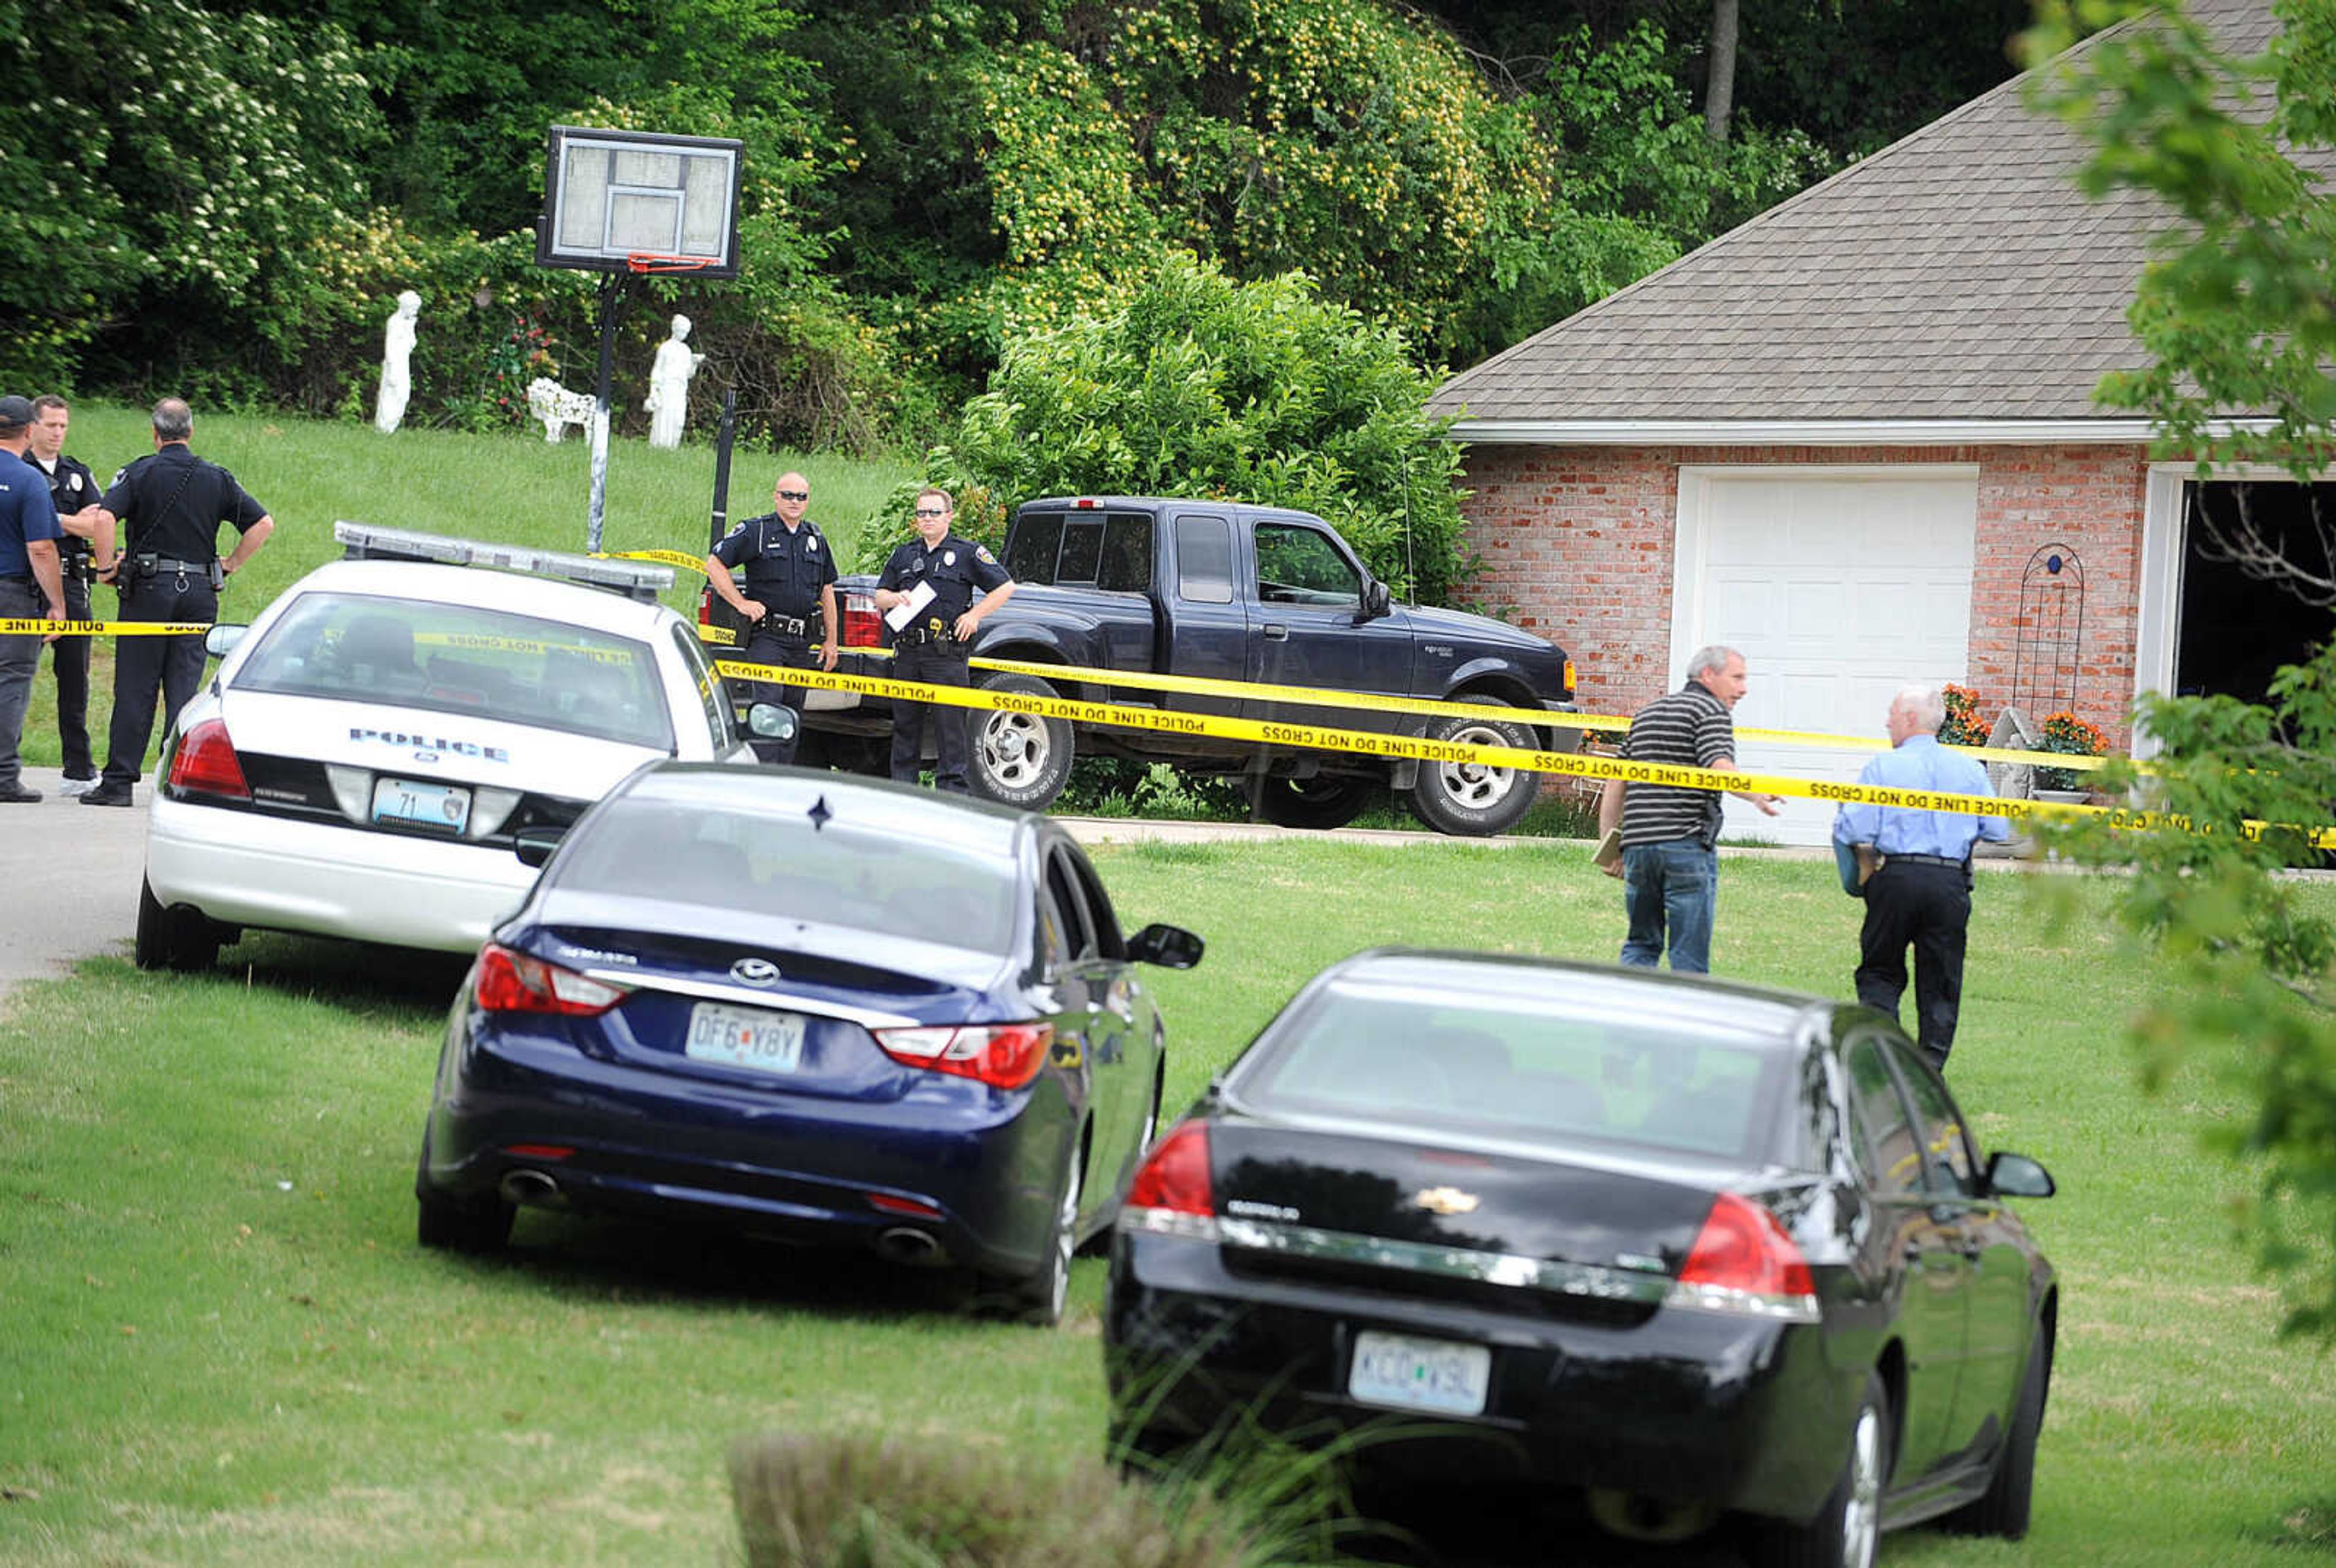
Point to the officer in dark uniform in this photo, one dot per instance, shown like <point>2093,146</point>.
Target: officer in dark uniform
<point>933,645</point>
<point>170,506</point>
<point>85,550</point>
<point>790,574</point>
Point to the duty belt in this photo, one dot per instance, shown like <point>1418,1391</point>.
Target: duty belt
<point>164,564</point>
<point>784,625</point>
<point>935,629</point>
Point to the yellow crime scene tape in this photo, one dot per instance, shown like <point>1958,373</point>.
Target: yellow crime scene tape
<point>29,625</point>
<point>672,558</point>
<point>1576,765</point>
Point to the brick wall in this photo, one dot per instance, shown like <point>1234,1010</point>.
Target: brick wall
<point>1579,543</point>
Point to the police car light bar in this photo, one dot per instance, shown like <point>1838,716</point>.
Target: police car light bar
<point>635,578</point>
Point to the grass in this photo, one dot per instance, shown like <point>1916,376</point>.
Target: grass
<point>516,488</point>
<point>218,1343</point>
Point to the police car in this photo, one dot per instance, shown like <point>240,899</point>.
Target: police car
<point>378,745</point>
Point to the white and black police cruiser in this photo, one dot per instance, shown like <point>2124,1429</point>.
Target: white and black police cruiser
<point>383,740</point>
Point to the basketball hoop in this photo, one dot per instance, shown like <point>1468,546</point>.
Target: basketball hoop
<point>637,262</point>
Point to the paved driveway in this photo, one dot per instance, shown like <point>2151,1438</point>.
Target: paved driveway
<point>71,873</point>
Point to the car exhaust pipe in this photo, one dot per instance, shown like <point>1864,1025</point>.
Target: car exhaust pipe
<point>1657,1520</point>
<point>531,1189</point>
<point>910,1246</point>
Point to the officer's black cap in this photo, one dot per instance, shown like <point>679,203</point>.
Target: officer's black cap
<point>15,413</point>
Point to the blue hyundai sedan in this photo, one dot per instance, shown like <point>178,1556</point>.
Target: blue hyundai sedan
<point>809,1007</point>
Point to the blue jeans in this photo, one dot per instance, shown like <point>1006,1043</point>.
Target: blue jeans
<point>1671,887</point>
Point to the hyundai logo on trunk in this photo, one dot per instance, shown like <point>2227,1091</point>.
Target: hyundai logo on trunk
<point>755,973</point>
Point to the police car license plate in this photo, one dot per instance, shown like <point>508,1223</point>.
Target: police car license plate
<point>419,804</point>
<point>744,1038</point>
<point>1398,1370</point>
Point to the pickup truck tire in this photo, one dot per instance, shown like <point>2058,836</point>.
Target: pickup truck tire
<point>1016,759</point>
<point>1473,800</point>
<point>1325,801</point>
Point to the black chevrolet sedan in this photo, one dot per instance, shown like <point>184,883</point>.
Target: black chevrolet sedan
<point>1688,1251</point>
<point>814,1008</point>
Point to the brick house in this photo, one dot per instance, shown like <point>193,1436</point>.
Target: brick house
<point>1855,437</point>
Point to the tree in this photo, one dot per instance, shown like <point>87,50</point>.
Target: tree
<point>2235,312</point>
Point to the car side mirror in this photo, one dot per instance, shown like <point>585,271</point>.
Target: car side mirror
<point>2011,1176</point>
<point>534,845</point>
<point>220,640</point>
<point>1170,947</point>
<point>772,721</point>
<point>1377,600</point>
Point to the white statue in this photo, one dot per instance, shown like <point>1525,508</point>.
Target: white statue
<point>396,369</point>
<point>669,374</point>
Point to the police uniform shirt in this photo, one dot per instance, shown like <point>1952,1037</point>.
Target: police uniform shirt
<point>171,505</point>
<point>25,513</point>
<point>72,487</point>
<point>786,568</point>
<point>959,569</point>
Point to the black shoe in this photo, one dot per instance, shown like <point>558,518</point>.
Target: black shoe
<point>17,795</point>
<point>107,794</point>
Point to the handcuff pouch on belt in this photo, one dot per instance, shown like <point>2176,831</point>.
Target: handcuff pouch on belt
<point>783,625</point>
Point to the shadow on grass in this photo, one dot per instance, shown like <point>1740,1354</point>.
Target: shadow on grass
<point>358,976</point>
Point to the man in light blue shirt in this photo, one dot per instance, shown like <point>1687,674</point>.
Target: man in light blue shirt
<point>1920,895</point>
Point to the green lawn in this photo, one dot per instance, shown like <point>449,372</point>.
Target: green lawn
<point>218,1343</point>
<point>516,488</point>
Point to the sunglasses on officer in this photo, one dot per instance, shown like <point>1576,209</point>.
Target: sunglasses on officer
<point>795,496</point>
<point>933,512</point>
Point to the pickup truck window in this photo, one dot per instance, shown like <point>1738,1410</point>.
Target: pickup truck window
<point>1297,565</point>
<point>1109,550</point>
<point>1204,560</point>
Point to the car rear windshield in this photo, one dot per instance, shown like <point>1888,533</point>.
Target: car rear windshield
<point>454,659</point>
<point>1489,1067</point>
<point>825,868</point>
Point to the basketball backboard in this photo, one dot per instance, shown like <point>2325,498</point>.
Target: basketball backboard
<point>638,201</point>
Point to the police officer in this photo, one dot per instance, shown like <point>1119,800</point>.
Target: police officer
<point>170,506</point>
<point>933,645</point>
<point>790,572</point>
<point>30,588</point>
<point>85,551</point>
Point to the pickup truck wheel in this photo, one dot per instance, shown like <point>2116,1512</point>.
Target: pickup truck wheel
<point>1017,759</point>
<point>1474,799</point>
<point>1324,800</point>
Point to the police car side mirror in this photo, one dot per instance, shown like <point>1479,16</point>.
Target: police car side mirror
<point>772,721</point>
<point>534,845</point>
<point>220,640</point>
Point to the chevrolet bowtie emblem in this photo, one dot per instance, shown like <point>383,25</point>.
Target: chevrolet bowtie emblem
<point>1445,1201</point>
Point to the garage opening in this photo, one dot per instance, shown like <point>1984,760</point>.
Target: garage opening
<point>2236,628</point>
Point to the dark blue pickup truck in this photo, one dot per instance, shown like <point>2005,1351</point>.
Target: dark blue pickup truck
<point>1232,592</point>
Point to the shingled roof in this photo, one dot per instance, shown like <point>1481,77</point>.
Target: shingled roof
<point>1956,274</point>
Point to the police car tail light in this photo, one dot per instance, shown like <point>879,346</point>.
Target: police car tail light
<point>205,764</point>
<point>1173,1192</point>
<point>513,982</point>
<point>1744,1262</point>
<point>1003,1056</point>
<point>863,626</point>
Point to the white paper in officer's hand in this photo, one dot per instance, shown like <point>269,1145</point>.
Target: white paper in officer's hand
<point>918,598</point>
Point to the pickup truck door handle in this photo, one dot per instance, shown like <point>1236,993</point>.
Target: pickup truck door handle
<point>1275,631</point>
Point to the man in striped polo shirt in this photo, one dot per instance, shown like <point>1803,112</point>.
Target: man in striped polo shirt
<point>1670,870</point>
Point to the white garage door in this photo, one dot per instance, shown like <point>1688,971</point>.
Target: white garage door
<point>1840,586</point>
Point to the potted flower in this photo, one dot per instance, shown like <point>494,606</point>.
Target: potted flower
<point>1963,725</point>
<point>2069,736</point>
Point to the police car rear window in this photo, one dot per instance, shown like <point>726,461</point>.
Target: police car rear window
<point>455,658</point>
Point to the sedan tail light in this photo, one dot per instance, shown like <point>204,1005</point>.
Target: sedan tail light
<point>1003,1056</point>
<point>863,626</point>
<point>513,982</point>
<point>1173,1192</point>
<point>205,764</point>
<point>1744,1262</point>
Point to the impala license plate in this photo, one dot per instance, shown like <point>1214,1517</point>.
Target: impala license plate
<point>422,805</point>
<point>1408,1374</point>
<point>767,1042</point>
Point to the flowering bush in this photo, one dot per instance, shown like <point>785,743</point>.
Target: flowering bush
<point>522,354</point>
<point>1963,726</point>
<point>2069,736</point>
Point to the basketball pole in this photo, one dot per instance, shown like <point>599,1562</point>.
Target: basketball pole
<point>612,309</point>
